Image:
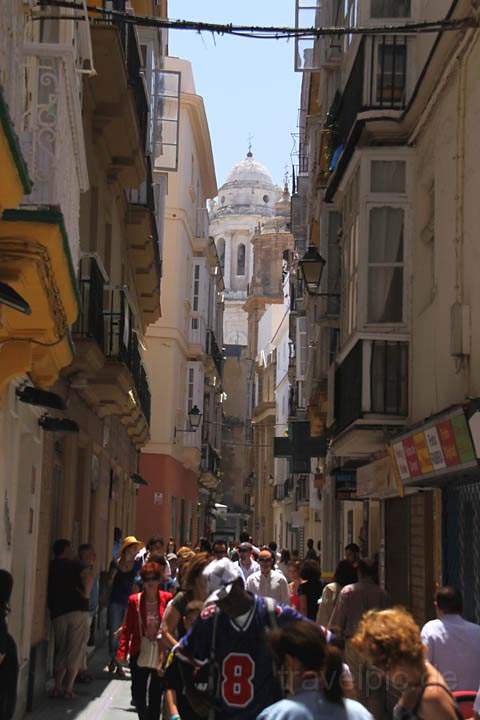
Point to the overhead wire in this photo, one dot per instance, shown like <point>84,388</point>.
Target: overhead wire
<point>260,32</point>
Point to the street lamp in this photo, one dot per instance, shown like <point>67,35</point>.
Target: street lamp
<point>194,418</point>
<point>311,266</point>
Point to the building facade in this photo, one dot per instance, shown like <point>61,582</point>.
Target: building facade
<point>79,245</point>
<point>183,349</point>
<point>392,344</point>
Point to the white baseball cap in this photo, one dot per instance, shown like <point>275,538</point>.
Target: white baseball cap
<point>220,574</point>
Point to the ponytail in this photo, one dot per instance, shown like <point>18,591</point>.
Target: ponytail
<point>332,675</point>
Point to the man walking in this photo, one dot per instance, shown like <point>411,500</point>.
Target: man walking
<point>268,582</point>
<point>311,554</point>
<point>231,636</point>
<point>69,588</point>
<point>353,602</point>
<point>246,563</point>
<point>453,643</point>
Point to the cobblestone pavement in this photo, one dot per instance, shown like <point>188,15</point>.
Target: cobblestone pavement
<point>107,697</point>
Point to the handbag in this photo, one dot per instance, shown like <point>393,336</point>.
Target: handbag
<point>149,656</point>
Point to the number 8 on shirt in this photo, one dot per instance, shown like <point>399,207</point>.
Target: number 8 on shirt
<point>238,670</point>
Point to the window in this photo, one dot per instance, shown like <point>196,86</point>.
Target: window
<point>241,260</point>
<point>389,372</point>
<point>221,252</point>
<point>391,71</point>
<point>167,109</point>
<point>390,8</point>
<point>351,17</point>
<point>191,387</point>
<point>388,176</point>
<point>350,255</point>
<point>196,287</point>
<point>385,265</point>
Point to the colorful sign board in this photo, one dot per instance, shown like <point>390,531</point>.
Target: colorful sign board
<point>442,446</point>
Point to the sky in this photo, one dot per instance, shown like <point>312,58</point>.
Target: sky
<point>249,86</point>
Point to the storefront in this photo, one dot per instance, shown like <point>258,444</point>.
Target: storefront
<point>440,459</point>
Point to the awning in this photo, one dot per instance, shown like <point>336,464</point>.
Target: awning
<point>14,179</point>
<point>436,449</point>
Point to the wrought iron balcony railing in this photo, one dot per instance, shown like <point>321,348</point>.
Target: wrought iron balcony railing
<point>90,322</point>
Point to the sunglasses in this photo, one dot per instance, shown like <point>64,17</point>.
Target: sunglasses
<point>151,578</point>
<point>264,560</point>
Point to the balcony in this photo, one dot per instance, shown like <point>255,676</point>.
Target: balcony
<point>214,352</point>
<point>119,95</point>
<point>377,86</point>
<point>107,370</point>
<point>370,395</point>
<point>143,246</point>
<point>197,337</point>
<point>210,467</point>
<point>52,136</point>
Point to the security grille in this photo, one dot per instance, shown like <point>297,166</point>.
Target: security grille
<point>461,551</point>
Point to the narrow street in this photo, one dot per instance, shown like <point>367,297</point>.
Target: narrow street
<point>106,697</point>
<point>239,359</point>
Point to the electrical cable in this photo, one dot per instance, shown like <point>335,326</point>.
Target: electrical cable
<point>262,32</point>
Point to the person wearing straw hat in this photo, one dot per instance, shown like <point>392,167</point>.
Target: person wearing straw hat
<point>122,573</point>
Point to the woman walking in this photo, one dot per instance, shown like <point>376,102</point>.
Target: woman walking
<point>310,590</point>
<point>390,641</point>
<point>8,652</point>
<point>194,587</point>
<point>314,674</point>
<point>122,579</point>
<point>140,642</point>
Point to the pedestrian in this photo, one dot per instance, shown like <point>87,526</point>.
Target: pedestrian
<point>283,562</point>
<point>354,601</point>
<point>117,542</point>
<point>274,548</point>
<point>155,546</point>
<point>295,582</point>
<point>204,546</point>
<point>193,588</point>
<point>184,555</point>
<point>140,642</point>
<point>315,669</point>
<point>219,549</point>
<point>268,582</point>
<point>310,590</point>
<point>246,563</point>
<point>171,546</point>
<point>231,636</point>
<point>171,583</point>
<point>122,574</point>
<point>8,652</point>
<point>311,554</point>
<point>390,640</point>
<point>87,558</point>
<point>184,683</point>
<point>345,574</point>
<point>69,588</point>
<point>352,554</point>
<point>453,643</point>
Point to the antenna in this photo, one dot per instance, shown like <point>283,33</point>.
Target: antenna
<point>250,138</point>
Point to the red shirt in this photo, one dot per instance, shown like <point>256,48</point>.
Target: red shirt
<point>130,637</point>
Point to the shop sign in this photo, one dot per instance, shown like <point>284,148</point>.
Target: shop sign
<point>377,480</point>
<point>440,447</point>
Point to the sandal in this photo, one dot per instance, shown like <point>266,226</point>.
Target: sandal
<point>120,672</point>
<point>55,694</point>
<point>112,666</point>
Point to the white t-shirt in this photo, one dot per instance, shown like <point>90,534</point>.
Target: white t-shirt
<point>311,705</point>
<point>453,647</point>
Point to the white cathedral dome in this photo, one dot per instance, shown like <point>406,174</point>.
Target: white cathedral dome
<point>250,172</point>
<point>248,190</point>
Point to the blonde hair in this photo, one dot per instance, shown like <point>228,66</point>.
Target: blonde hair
<point>185,553</point>
<point>389,637</point>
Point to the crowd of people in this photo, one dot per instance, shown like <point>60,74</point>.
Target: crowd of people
<point>236,631</point>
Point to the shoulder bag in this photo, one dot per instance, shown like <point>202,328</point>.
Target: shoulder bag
<point>149,656</point>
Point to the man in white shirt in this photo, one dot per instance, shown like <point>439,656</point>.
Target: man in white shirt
<point>453,643</point>
<point>247,564</point>
<point>268,582</point>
